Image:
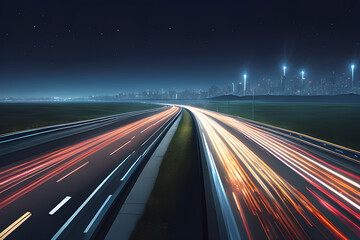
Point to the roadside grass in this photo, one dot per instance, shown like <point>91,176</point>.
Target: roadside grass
<point>173,210</point>
<point>336,123</point>
<point>22,116</point>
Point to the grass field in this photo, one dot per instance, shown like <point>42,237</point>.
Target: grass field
<point>336,123</point>
<point>21,116</point>
<point>174,208</point>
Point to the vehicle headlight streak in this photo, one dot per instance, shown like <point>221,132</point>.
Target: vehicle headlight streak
<point>265,193</point>
<point>306,165</point>
<point>230,224</point>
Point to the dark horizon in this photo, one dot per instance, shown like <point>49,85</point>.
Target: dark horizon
<point>86,48</point>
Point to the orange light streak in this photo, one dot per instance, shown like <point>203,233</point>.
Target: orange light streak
<point>41,169</point>
<point>269,197</point>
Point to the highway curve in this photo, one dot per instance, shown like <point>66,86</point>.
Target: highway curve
<point>274,187</point>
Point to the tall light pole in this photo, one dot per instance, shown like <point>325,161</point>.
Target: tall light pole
<point>282,80</point>
<point>302,82</point>
<point>245,83</point>
<point>352,76</point>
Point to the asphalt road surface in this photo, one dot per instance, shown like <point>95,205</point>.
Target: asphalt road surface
<point>275,187</point>
<point>57,187</point>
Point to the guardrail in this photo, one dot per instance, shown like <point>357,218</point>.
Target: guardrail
<point>49,129</point>
<point>341,151</point>
<point>220,220</point>
<point>128,177</point>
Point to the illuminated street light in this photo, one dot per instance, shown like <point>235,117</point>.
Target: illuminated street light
<point>284,70</point>
<point>302,75</point>
<point>352,75</point>
<point>245,83</point>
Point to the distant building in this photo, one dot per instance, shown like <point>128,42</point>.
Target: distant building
<point>282,83</point>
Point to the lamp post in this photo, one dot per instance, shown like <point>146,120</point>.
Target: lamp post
<point>245,83</point>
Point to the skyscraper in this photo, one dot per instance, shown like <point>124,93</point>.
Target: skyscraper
<point>282,83</point>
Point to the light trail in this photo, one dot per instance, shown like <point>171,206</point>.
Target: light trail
<point>264,197</point>
<point>14,225</point>
<point>120,147</point>
<point>18,180</point>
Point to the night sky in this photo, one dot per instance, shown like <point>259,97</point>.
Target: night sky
<point>82,48</point>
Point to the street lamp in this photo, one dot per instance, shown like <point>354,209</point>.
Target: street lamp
<point>245,83</point>
<point>302,75</point>
<point>284,67</point>
<point>352,75</point>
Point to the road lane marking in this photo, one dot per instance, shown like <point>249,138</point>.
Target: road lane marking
<point>153,141</point>
<point>66,224</point>
<point>67,198</point>
<point>154,132</point>
<point>155,138</point>
<point>150,137</point>
<point>72,172</point>
<point>14,225</point>
<point>132,137</point>
<point>58,233</point>
<point>122,179</point>
<point>120,147</point>
<point>97,214</point>
<point>145,129</point>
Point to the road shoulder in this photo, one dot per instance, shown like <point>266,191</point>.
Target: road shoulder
<point>135,203</point>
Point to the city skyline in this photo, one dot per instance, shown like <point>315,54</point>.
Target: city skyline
<point>288,83</point>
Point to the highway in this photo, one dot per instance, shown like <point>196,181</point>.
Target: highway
<point>59,186</point>
<point>17,141</point>
<point>272,186</point>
